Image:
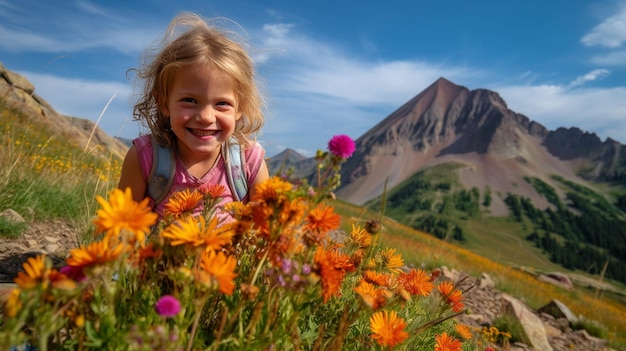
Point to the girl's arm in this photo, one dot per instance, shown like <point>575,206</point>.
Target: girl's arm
<point>131,175</point>
<point>262,175</point>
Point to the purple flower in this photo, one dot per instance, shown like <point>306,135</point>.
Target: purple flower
<point>167,306</point>
<point>341,146</point>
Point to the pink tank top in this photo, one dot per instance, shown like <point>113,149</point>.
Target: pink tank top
<point>254,157</point>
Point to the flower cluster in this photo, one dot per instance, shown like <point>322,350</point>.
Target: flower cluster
<point>281,273</point>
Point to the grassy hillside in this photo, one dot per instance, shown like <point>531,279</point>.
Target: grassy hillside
<point>52,178</point>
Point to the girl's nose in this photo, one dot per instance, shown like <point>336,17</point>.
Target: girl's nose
<point>207,114</point>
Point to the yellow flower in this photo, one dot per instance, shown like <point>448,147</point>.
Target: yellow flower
<point>13,303</point>
<point>221,268</point>
<point>387,328</point>
<point>361,237</point>
<point>391,260</point>
<point>35,272</point>
<point>183,202</point>
<point>96,253</point>
<point>122,212</point>
<point>194,231</point>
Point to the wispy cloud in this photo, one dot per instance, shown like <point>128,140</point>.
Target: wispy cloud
<point>589,77</point>
<point>611,33</point>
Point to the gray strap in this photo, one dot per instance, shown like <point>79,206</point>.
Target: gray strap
<point>234,160</point>
<point>162,172</point>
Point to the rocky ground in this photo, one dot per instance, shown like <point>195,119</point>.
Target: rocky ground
<point>484,302</point>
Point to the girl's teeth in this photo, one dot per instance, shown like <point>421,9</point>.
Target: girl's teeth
<point>204,132</point>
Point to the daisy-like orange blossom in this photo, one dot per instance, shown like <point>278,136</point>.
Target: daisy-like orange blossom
<point>361,237</point>
<point>122,212</point>
<point>464,331</point>
<point>195,232</point>
<point>443,342</point>
<point>372,295</point>
<point>35,272</point>
<point>96,253</point>
<point>332,266</point>
<point>322,219</point>
<point>387,328</point>
<point>217,266</point>
<point>212,190</point>
<point>451,296</point>
<point>272,190</point>
<point>416,282</point>
<point>183,202</point>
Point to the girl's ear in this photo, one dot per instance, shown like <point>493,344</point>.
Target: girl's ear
<point>165,110</point>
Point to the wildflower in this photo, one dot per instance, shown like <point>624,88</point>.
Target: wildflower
<point>13,303</point>
<point>464,331</point>
<point>388,328</point>
<point>322,219</point>
<point>376,278</point>
<point>447,343</point>
<point>360,237</point>
<point>75,273</point>
<point>391,260</point>
<point>96,253</point>
<point>194,231</point>
<point>416,282</point>
<point>167,306</point>
<point>341,146</point>
<point>122,212</point>
<point>220,268</point>
<point>212,190</point>
<point>35,271</point>
<point>332,267</point>
<point>271,190</point>
<point>451,296</point>
<point>183,202</point>
<point>374,297</point>
<point>372,226</point>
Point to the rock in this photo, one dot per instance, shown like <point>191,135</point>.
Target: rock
<point>486,281</point>
<point>12,216</point>
<point>558,279</point>
<point>532,325</point>
<point>557,309</point>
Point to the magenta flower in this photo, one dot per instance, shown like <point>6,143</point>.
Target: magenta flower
<point>167,306</point>
<point>341,146</point>
<point>74,273</point>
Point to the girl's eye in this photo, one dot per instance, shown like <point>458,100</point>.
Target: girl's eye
<point>192,100</point>
<point>223,103</point>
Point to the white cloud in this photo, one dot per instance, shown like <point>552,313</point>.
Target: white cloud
<point>610,33</point>
<point>593,110</point>
<point>613,58</point>
<point>591,76</point>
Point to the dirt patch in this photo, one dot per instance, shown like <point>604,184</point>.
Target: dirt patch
<point>53,238</point>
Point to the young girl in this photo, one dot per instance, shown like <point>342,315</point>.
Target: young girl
<point>199,96</point>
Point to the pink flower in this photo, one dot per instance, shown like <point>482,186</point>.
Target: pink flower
<point>341,146</point>
<point>167,306</point>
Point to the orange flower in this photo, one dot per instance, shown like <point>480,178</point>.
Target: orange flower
<point>122,212</point>
<point>451,296</point>
<point>96,253</point>
<point>220,268</point>
<point>332,267</point>
<point>464,331</point>
<point>194,231</point>
<point>388,328</point>
<point>35,272</point>
<point>416,282</point>
<point>371,295</point>
<point>361,237</point>
<point>183,202</point>
<point>212,190</point>
<point>447,343</point>
<point>377,278</point>
<point>322,219</point>
<point>271,190</point>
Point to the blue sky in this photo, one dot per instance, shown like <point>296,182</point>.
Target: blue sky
<point>339,67</point>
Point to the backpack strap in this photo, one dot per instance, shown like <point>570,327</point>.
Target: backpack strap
<point>162,172</point>
<point>235,161</point>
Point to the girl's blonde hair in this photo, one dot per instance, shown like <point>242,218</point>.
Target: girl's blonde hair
<point>198,43</point>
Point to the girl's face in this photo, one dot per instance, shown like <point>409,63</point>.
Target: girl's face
<point>202,108</point>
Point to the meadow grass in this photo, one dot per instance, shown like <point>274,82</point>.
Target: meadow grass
<point>47,177</point>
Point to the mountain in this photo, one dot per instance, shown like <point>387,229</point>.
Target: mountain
<point>494,146</point>
<point>18,93</point>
